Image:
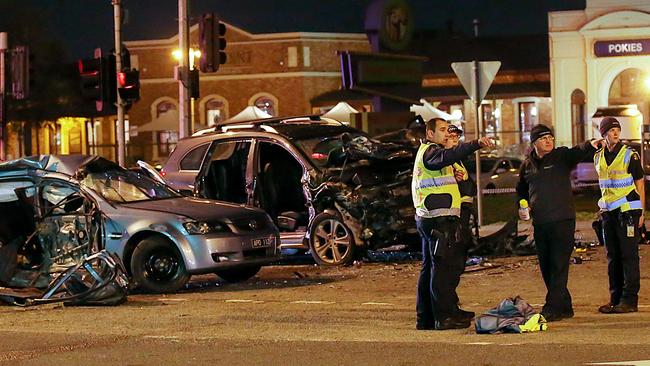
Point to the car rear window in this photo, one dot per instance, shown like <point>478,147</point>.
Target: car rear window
<point>193,159</point>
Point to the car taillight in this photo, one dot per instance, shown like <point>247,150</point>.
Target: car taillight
<point>318,156</point>
<point>162,172</point>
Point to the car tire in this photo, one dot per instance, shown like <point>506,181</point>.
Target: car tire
<point>157,266</point>
<point>331,242</point>
<point>234,275</point>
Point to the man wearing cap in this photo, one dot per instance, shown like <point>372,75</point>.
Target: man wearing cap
<point>467,188</point>
<point>620,176</point>
<point>544,181</point>
<point>437,209</point>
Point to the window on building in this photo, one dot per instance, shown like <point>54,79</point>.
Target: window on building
<point>629,85</point>
<point>266,104</point>
<point>490,122</point>
<point>167,142</point>
<point>163,107</point>
<point>577,116</point>
<point>527,119</point>
<point>215,111</point>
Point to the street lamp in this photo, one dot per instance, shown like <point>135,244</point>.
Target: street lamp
<point>193,54</point>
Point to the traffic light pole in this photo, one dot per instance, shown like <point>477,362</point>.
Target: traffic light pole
<point>183,67</point>
<point>121,143</point>
<point>477,110</point>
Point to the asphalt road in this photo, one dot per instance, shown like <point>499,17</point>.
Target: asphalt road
<point>358,315</point>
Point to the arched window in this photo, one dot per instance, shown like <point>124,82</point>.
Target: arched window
<point>266,102</point>
<point>629,87</point>
<point>577,116</point>
<point>163,107</point>
<point>213,109</point>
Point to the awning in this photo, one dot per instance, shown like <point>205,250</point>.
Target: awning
<point>341,112</point>
<point>167,121</point>
<point>428,111</point>
<point>248,114</point>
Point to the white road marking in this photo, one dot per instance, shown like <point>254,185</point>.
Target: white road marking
<point>169,338</point>
<point>312,302</point>
<point>171,300</point>
<point>628,363</point>
<point>479,343</point>
<point>245,301</point>
<point>377,303</point>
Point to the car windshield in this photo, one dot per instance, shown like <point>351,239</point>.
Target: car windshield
<point>327,151</point>
<point>127,186</point>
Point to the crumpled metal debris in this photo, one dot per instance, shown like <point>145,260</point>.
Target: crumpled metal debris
<point>98,280</point>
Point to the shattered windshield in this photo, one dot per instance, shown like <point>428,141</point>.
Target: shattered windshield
<point>328,151</point>
<point>126,186</point>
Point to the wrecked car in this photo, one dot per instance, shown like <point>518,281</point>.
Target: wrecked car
<point>56,210</point>
<point>328,187</point>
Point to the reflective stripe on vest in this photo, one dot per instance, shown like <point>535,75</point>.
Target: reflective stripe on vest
<point>615,182</point>
<point>433,182</point>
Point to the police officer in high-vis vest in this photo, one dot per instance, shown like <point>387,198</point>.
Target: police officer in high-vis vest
<point>620,176</point>
<point>437,202</point>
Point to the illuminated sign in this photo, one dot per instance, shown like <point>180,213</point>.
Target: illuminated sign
<point>631,47</point>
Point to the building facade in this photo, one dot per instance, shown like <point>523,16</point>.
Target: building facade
<point>599,57</point>
<point>278,72</point>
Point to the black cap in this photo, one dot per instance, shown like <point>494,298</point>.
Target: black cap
<point>539,131</point>
<point>607,124</point>
<point>455,129</point>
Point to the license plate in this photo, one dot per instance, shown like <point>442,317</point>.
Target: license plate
<point>263,242</point>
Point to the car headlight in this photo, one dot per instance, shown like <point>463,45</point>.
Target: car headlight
<point>202,228</point>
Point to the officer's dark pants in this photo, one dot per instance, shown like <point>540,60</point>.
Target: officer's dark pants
<point>554,243</point>
<point>465,228</point>
<point>622,256</point>
<point>439,276</point>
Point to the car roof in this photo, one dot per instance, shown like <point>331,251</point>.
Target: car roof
<point>284,125</point>
<point>64,164</point>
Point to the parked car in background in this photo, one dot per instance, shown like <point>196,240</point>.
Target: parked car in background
<point>496,172</point>
<point>328,187</point>
<point>162,237</point>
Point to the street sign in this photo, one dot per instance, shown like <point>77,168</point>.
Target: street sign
<point>466,73</point>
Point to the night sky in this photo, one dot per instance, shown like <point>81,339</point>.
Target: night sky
<point>82,25</point>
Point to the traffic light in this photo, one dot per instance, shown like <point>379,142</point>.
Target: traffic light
<point>194,84</point>
<point>129,85</point>
<point>98,80</point>
<point>90,70</point>
<point>212,42</point>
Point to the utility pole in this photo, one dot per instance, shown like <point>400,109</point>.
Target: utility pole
<point>183,71</point>
<point>121,144</point>
<point>4,45</point>
<point>476,99</point>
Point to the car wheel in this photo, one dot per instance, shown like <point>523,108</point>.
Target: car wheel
<point>331,241</point>
<point>238,274</point>
<point>157,266</point>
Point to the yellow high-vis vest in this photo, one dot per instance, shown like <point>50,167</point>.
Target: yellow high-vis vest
<point>615,182</point>
<point>434,182</point>
<point>461,168</point>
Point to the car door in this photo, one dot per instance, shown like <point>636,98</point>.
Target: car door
<point>226,172</point>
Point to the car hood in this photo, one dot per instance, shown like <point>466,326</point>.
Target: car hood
<point>197,208</point>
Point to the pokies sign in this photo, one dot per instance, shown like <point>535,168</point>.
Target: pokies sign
<point>630,47</point>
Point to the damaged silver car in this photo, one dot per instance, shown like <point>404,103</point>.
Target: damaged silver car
<point>57,211</point>
<point>328,187</point>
